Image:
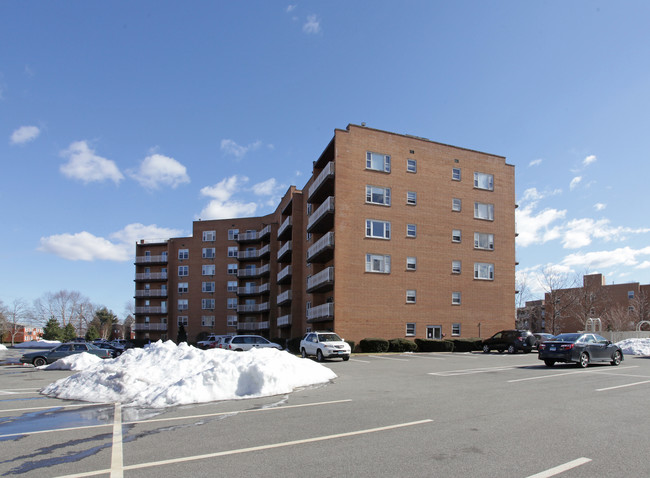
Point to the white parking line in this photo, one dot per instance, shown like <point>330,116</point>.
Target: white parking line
<point>561,468</point>
<point>621,386</point>
<point>430,357</point>
<point>469,371</point>
<point>26,409</point>
<point>252,449</point>
<point>116,452</point>
<point>19,391</point>
<point>553,375</point>
<point>389,358</point>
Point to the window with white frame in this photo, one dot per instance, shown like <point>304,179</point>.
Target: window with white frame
<point>411,263</point>
<point>456,204</point>
<point>233,234</point>
<point>183,304</point>
<point>411,198</point>
<point>208,252</point>
<point>455,267</point>
<point>455,235</point>
<point>377,229</point>
<point>231,321</point>
<point>209,236</point>
<point>484,181</point>
<point>455,330</point>
<point>377,195</point>
<point>483,271</point>
<point>378,263</point>
<point>378,162</point>
<point>455,298</point>
<point>183,254</point>
<point>208,269</point>
<point>411,230</point>
<point>182,287</point>
<point>483,241</point>
<point>484,211</point>
<point>231,303</point>
<point>183,271</point>
<point>630,294</point>
<point>182,320</point>
<point>232,286</point>
<point>411,166</point>
<point>410,329</point>
<point>207,320</point>
<point>232,251</point>
<point>232,269</point>
<point>455,174</point>
<point>410,296</point>
<point>207,304</point>
<point>207,287</point>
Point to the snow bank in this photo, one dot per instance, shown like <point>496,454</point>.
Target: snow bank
<point>635,346</point>
<point>82,361</point>
<point>38,344</point>
<point>2,347</point>
<point>165,375</point>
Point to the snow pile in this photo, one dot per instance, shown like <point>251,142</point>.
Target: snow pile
<point>635,346</point>
<point>38,344</point>
<point>80,361</point>
<point>2,347</point>
<point>165,375</point>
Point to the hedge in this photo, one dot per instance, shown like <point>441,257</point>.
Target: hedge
<point>372,345</point>
<point>427,345</point>
<point>401,345</point>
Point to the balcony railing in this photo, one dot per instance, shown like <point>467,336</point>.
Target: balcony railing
<point>151,293</point>
<point>151,276</point>
<point>254,290</point>
<point>324,279</point>
<point>318,216</point>
<point>284,274</point>
<point>254,272</point>
<point>159,259</point>
<point>254,254</point>
<point>325,243</point>
<point>284,320</point>
<point>148,309</point>
<point>284,250</point>
<point>284,297</point>
<point>285,227</point>
<point>321,312</point>
<point>252,236</point>
<point>325,174</point>
<point>263,307</point>
<point>249,326</point>
<point>149,326</point>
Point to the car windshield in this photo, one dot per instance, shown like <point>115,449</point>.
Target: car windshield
<point>566,337</point>
<point>92,346</point>
<point>329,338</point>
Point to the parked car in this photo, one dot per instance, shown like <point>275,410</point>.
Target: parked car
<point>240,343</point>
<point>115,350</point>
<point>204,344</point>
<point>43,357</point>
<point>541,337</point>
<point>218,344</point>
<point>510,340</point>
<point>324,345</point>
<point>581,349</point>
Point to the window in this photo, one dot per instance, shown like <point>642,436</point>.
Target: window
<point>207,287</point>
<point>455,329</point>
<point>411,263</point>
<point>207,304</point>
<point>182,287</point>
<point>483,271</point>
<point>411,166</point>
<point>377,229</point>
<point>233,234</point>
<point>232,286</point>
<point>378,263</point>
<point>378,162</point>
<point>183,304</point>
<point>208,252</point>
<point>455,267</point>
<point>182,320</point>
<point>411,230</point>
<point>410,329</point>
<point>231,321</point>
<point>411,198</point>
<point>232,269</point>
<point>208,269</point>
<point>183,254</point>
<point>455,298</point>
<point>483,241</point>
<point>232,251</point>
<point>310,207</point>
<point>209,236</point>
<point>183,271</point>
<point>455,235</point>
<point>484,181</point>
<point>484,211</point>
<point>630,294</point>
<point>231,303</point>
<point>207,320</point>
<point>456,204</point>
<point>455,174</point>
<point>376,195</point>
<point>410,297</point>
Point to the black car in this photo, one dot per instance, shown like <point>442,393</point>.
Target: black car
<point>510,340</point>
<point>581,349</point>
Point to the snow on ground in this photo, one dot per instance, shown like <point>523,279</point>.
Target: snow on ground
<point>635,346</point>
<point>80,361</point>
<point>2,347</point>
<point>38,344</point>
<point>165,374</point>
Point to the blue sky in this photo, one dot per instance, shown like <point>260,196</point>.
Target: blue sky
<point>130,119</point>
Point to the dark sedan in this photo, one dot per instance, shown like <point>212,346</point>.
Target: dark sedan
<point>581,349</point>
<point>43,357</point>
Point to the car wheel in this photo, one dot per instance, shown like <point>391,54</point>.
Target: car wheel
<point>584,360</point>
<point>319,355</point>
<point>303,353</point>
<point>549,363</point>
<point>617,358</point>
<point>39,362</point>
<point>486,349</point>
<point>500,351</point>
<point>511,349</point>
<point>346,358</point>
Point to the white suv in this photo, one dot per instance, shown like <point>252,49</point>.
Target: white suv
<point>240,343</point>
<point>324,345</point>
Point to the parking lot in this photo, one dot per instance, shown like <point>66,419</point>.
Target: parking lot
<point>385,415</point>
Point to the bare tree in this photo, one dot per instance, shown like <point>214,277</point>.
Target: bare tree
<point>641,307</point>
<point>65,306</point>
<point>618,318</point>
<point>4,325</point>
<point>560,297</point>
<point>15,313</point>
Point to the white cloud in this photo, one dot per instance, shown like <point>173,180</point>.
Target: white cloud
<point>136,232</point>
<point>537,228</point>
<point>580,232</point>
<point>599,206</point>
<point>25,134</point>
<point>224,189</point>
<point>588,160</point>
<point>291,8</point>
<point>270,187</point>
<point>624,256</point>
<point>535,162</point>
<point>157,170</point>
<point>228,146</point>
<point>312,25</point>
<point>644,265</point>
<point>83,164</point>
<point>574,182</point>
<point>221,206</point>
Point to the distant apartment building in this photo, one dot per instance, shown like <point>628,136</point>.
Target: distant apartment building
<point>392,236</point>
<point>22,333</point>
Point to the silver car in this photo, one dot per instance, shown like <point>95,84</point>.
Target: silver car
<point>240,343</point>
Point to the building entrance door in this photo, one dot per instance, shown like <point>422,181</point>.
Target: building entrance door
<point>434,332</point>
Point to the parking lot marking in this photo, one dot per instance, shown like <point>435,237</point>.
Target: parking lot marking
<point>622,386</point>
<point>469,371</point>
<point>430,357</point>
<point>553,375</point>
<point>116,451</point>
<point>561,468</point>
<point>26,409</point>
<point>19,391</point>
<point>253,449</point>
<point>389,358</point>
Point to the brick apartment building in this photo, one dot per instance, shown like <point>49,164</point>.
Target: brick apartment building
<point>21,333</point>
<point>392,236</point>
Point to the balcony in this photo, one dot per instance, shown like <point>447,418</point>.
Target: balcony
<point>284,321</point>
<point>149,326</point>
<point>149,309</point>
<point>323,185</point>
<point>322,219</point>
<point>254,254</point>
<point>254,271</point>
<point>322,250</point>
<point>284,276</point>
<point>160,259</point>
<point>284,231</point>
<point>252,326</point>
<point>322,281</point>
<point>284,298</point>
<point>254,290</point>
<point>321,313</point>
<point>254,236</point>
<point>151,293</point>
<point>284,254</point>
<point>253,308</point>
<point>151,276</point>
